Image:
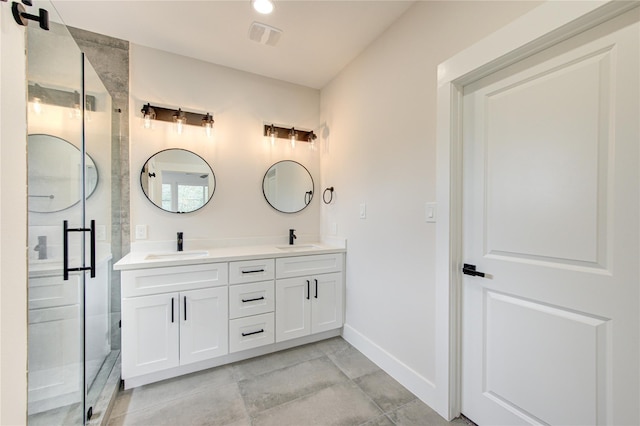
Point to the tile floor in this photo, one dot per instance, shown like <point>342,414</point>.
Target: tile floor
<point>323,383</point>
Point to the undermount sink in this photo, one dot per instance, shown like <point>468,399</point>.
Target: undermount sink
<point>177,255</point>
<point>299,247</point>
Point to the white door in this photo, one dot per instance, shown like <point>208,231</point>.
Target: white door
<point>150,334</point>
<point>293,305</point>
<point>326,306</point>
<point>203,324</point>
<point>551,214</point>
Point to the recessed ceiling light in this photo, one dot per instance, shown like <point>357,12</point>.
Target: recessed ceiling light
<point>262,6</point>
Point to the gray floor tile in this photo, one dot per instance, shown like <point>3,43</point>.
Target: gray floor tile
<point>332,345</point>
<point>379,421</point>
<point>416,413</point>
<point>220,406</point>
<point>275,361</point>
<point>384,390</point>
<point>284,385</point>
<point>167,390</point>
<point>343,404</point>
<point>352,362</point>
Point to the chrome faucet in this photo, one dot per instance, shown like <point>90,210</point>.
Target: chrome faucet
<point>179,241</point>
<point>41,248</point>
<point>292,236</point>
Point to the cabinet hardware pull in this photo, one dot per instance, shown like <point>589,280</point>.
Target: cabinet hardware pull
<point>185,308</point>
<point>253,332</point>
<point>308,290</point>
<point>172,319</point>
<point>252,300</point>
<point>316,296</point>
<point>253,272</point>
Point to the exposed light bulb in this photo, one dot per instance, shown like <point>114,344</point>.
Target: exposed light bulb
<point>208,129</point>
<point>293,136</point>
<point>179,126</point>
<point>147,121</point>
<point>264,7</point>
<point>37,105</point>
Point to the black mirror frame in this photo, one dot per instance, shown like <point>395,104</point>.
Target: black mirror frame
<point>313,186</point>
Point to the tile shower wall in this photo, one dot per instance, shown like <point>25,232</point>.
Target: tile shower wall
<point>110,58</point>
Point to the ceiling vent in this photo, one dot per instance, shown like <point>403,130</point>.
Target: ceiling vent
<point>264,34</point>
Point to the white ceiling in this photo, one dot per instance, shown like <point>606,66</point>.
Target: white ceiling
<point>319,39</point>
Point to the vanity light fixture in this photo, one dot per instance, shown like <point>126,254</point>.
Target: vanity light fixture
<point>264,7</point>
<point>39,96</point>
<point>207,123</point>
<point>178,117</point>
<point>294,135</point>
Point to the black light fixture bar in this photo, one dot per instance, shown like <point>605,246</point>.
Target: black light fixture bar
<point>285,132</point>
<point>60,97</point>
<point>168,115</point>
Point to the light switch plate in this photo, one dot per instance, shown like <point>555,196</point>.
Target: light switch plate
<point>141,232</point>
<point>363,211</point>
<point>430,212</point>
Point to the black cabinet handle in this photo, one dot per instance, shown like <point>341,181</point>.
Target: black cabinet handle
<point>253,332</point>
<point>185,308</point>
<point>172,319</point>
<point>308,290</point>
<point>316,296</point>
<point>252,300</point>
<point>65,249</point>
<point>253,272</point>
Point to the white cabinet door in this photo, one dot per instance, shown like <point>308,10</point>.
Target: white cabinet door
<point>203,324</point>
<point>150,333</point>
<point>326,302</point>
<point>293,308</point>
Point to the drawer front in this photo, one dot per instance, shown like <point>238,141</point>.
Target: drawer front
<point>251,332</point>
<point>143,282</point>
<point>49,292</point>
<point>249,271</point>
<point>297,266</point>
<point>251,299</point>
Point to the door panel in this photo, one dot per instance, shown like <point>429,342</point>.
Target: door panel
<point>293,308</point>
<point>551,208</point>
<point>203,325</point>
<point>326,310</point>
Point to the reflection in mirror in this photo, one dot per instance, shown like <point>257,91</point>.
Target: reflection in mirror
<point>177,180</point>
<point>55,174</point>
<point>288,186</point>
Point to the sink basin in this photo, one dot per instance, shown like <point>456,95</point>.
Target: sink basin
<point>299,247</point>
<point>177,255</point>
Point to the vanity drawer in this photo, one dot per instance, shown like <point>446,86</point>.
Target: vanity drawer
<point>251,332</point>
<point>251,299</point>
<point>297,266</point>
<point>248,271</point>
<point>142,282</point>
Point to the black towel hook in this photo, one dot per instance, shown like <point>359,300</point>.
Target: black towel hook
<point>324,193</point>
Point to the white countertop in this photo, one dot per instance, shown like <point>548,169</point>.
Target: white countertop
<point>158,259</point>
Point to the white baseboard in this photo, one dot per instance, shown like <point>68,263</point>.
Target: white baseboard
<point>420,386</point>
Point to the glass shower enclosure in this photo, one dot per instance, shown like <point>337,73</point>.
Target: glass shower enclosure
<point>70,201</point>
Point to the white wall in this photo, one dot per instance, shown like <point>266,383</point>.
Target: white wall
<point>238,153</point>
<point>13,222</point>
<point>380,114</point>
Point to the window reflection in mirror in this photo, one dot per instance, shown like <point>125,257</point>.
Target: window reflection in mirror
<point>177,180</point>
<point>55,174</point>
<point>288,186</point>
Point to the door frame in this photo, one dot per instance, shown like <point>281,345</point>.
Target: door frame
<point>546,25</point>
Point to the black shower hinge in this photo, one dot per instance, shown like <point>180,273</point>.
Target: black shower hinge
<point>22,17</point>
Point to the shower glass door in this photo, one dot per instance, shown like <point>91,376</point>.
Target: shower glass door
<point>69,170</point>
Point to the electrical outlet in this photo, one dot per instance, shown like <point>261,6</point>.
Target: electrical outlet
<point>141,232</point>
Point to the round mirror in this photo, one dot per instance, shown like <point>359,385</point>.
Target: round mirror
<point>288,186</point>
<point>177,180</point>
<point>55,174</point>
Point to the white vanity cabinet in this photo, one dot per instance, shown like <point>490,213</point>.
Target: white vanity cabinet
<point>251,304</point>
<point>163,328</point>
<point>309,295</point>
